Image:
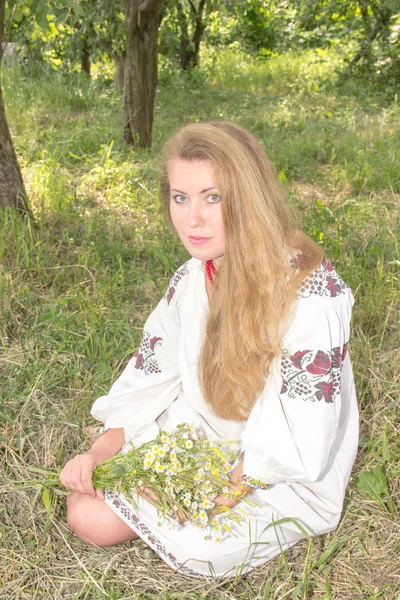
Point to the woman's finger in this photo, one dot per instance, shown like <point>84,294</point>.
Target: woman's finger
<point>99,494</point>
<point>86,478</point>
<point>149,492</point>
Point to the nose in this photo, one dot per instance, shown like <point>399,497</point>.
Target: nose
<point>195,215</point>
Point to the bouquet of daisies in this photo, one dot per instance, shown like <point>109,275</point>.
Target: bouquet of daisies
<point>185,472</point>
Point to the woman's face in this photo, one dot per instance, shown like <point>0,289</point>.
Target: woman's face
<point>195,206</point>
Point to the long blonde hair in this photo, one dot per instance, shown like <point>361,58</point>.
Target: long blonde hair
<point>256,284</point>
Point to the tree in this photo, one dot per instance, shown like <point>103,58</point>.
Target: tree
<point>140,78</point>
<point>98,29</point>
<point>12,190</point>
<point>190,45</point>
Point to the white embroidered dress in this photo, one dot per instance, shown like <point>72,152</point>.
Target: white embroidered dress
<point>300,438</point>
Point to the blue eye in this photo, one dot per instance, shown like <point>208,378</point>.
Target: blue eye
<point>213,199</point>
<point>179,199</point>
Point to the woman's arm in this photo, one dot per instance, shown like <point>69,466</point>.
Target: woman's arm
<point>108,444</point>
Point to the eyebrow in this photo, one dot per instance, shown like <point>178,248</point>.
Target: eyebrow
<point>214,187</point>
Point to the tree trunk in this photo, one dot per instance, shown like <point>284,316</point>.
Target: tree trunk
<point>12,191</point>
<point>190,48</point>
<point>85,57</point>
<point>185,40</point>
<point>198,32</point>
<point>119,62</point>
<point>140,78</point>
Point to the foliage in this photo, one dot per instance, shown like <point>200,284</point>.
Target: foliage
<point>60,33</point>
<point>373,484</point>
<point>260,26</point>
<point>368,30</point>
<point>182,29</point>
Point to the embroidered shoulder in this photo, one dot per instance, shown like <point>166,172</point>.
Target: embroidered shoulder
<point>145,354</point>
<point>324,281</point>
<point>175,279</point>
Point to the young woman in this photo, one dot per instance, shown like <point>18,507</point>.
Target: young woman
<point>249,343</point>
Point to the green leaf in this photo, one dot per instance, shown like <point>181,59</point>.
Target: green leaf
<point>46,499</point>
<point>118,470</point>
<point>373,483</point>
<point>4,416</point>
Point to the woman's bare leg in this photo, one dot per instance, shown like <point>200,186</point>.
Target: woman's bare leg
<point>94,522</point>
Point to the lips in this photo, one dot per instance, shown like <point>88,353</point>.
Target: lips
<point>198,241</point>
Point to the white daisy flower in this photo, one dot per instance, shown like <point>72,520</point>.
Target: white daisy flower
<point>189,444</point>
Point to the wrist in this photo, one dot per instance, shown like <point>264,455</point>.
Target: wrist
<point>99,454</point>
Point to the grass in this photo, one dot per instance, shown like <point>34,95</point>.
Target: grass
<point>76,288</point>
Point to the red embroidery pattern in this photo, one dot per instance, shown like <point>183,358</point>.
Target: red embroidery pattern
<point>175,279</point>
<point>313,375</point>
<point>121,506</point>
<point>145,360</point>
<point>324,281</point>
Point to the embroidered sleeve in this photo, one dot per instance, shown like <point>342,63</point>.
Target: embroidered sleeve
<point>293,426</point>
<point>313,375</point>
<point>151,380</point>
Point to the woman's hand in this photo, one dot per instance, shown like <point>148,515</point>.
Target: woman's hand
<point>77,474</point>
<point>237,490</point>
<point>179,516</point>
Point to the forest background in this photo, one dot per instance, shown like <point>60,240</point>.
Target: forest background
<point>85,254</point>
